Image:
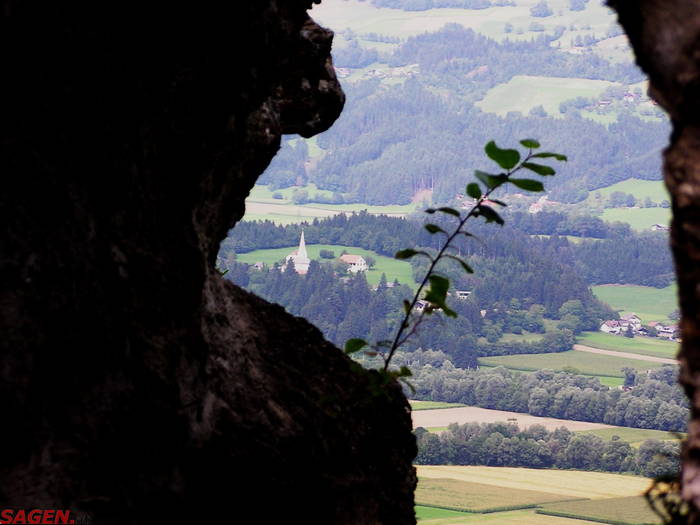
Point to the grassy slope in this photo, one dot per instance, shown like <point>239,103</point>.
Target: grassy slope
<point>393,269</point>
<point>637,345</point>
<point>632,510</point>
<point>586,363</point>
<point>650,304</point>
<point>522,93</point>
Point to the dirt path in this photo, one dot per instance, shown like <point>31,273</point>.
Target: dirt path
<point>650,358</point>
<point>444,416</point>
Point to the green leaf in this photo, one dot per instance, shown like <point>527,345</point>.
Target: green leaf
<point>406,254</point>
<point>490,215</point>
<point>473,190</point>
<point>528,184</point>
<point>406,306</point>
<point>404,371</point>
<point>550,155</point>
<point>464,265</point>
<point>449,211</point>
<point>354,345</point>
<point>530,143</point>
<point>433,228</point>
<point>539,168</point>
<point>491,181</point>
<point>505,158</point>
<point>438,293</point>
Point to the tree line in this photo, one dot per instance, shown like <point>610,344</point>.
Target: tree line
<point>505,445</point>
<point>654,401</point>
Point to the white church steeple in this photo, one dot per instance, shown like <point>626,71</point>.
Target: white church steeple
<point>299,257</point>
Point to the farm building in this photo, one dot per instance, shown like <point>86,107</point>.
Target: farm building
<point>356,263</point>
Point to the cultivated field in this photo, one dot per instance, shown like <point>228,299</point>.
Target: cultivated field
<point>261,205</point>
<point>570,484</point>
<point>650,304</point>
<point>456,494</point>
<point>393,268</point>
<point>362,17</point>
<point>648,346</point>
<point>443,417</point>
<point>435,516</point>
<point>522,93</point>
<point>521,486</point>
<point>632,510</point>
<point>583,362</point>
<point>640,219</point>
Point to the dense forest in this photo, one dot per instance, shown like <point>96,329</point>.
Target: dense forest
<point>617,255</point>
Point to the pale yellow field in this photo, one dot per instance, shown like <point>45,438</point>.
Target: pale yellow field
<point>571,483</point>
<point>515,517</point>
<point>444,416</point>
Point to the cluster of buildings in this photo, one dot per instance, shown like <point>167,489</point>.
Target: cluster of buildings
<point>300,260</point>
<point>632,322</point>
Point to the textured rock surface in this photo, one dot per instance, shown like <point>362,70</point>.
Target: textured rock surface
<point>665,35</point>
<point>136,384</point>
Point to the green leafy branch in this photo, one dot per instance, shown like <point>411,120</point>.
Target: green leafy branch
<point>435,285</point>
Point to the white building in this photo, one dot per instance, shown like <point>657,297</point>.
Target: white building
<point>299,257</point>
<point>356,263</point>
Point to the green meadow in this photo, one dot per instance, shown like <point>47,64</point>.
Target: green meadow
<point>634,436</point>
<point>641,189</point>
<point>432,405</point>
<point>522,93</point>
<point>584,362</point>
<point>650,304</point>
<point>393,269</point>
<point>640,219</point>
<point>650,346</point>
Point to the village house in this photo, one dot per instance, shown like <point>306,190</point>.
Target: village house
<point>356,263</point>
<point>631,319</point>
<point>611,327</point>
<point>667,332</point>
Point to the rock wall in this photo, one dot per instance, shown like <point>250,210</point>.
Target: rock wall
<point>665,35</point>
<point>137,385</point>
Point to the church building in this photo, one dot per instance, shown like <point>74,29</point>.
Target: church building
<point>299,257</point>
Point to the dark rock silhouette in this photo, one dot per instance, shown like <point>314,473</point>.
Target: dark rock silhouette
<point>137,385</point>
<point>665,35</point>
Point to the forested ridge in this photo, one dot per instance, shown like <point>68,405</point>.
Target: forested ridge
<point>617,255</point>
<point>385,146</point>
